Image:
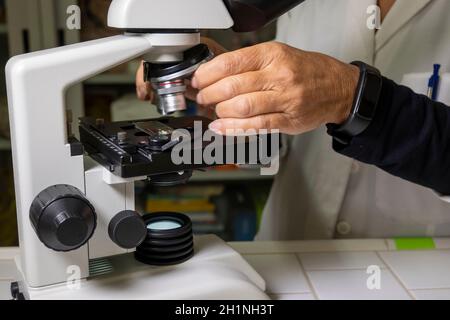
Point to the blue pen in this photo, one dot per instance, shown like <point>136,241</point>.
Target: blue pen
<point>433,83</point>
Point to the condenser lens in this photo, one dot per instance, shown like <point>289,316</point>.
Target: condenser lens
<point>169,239</point>
<point>163,225</point>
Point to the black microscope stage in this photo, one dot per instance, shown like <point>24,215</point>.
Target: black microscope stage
<point>144,147</point>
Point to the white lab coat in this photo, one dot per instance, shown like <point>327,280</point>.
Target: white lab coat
<point>309,191</point>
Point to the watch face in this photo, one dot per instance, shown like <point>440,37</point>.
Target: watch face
<point>369,100</point>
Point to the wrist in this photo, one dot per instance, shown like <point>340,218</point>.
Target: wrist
<point>349,84</point>
<point>364,106</point>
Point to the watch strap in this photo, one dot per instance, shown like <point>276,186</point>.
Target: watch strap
<point>364,105</point>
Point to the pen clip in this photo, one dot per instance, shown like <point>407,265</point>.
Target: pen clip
<point>433,83</point>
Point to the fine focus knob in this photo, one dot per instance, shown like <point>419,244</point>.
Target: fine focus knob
<point>63,218</point>
<point>127,229</point>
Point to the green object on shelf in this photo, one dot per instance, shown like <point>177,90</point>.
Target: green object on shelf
<point>414,244</point>
<point>259,196</point>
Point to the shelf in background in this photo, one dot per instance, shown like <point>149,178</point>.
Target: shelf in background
<point>3,28</point>
<point>208,228</point>
<point>4,144</point>
<point>231,175</point>
<point>112,79</point>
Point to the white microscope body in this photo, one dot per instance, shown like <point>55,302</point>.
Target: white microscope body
<point>43,156</point>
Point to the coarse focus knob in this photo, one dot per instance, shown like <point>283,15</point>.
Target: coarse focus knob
<point>63,218</point>
<point>127,229</point>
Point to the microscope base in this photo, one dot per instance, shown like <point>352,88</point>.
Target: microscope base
<point>216,272</point>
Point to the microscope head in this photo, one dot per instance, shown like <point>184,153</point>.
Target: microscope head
<point>155,16</point>
<point>183,15</point>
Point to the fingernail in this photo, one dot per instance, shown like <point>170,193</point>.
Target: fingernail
<point>216,127</point>
<point>199,98</point>
<point>194,83</point>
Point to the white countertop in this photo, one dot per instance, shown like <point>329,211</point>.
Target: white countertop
<point>335,269</point>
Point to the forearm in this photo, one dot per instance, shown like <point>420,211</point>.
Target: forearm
<point>409,138</point>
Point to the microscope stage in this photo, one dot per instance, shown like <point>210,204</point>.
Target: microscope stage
<point>144,147</point>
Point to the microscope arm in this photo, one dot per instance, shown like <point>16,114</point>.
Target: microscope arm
<point>42,156</point>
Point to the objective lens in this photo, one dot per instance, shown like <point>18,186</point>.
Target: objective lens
<point>168,79</point>
<point>171,96</point>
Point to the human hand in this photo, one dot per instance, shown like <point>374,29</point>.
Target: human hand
<point>274,86</point>
<point>144,90</point>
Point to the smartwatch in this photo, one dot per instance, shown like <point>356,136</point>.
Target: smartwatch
<point>364,105</point>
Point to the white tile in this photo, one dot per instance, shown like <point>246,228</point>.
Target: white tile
<point>278,247</point>
<point>5,292</point>
<point>390,244</point>
<point>295,296</point>
<point>442,243</point>
<point>420,269</point>
<point>8,270</point>
<point>340,260</point>
<point>352,285</point>
<point>282,272</point>
<point>437,294</point>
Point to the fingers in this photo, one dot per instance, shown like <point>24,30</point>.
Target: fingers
<point>249,105</point>
<point>248,126</point>
<point>233,86</point>
<point>191,93</point>
<point>228,64</point>
<point>143,89</point>
<point>217,49</point>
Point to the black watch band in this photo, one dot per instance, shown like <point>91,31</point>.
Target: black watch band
<point>364,105</point>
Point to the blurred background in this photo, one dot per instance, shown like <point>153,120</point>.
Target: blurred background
<point>226,201</point>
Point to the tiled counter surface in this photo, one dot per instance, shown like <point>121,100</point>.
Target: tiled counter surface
<point>336,269</point>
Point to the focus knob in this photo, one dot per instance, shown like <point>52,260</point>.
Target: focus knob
<point>63,218</point>
<point>127,229</point>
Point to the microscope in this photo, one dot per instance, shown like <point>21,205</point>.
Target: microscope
<point>80,236</point>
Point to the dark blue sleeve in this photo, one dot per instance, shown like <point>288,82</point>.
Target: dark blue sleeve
<point>409,138</point>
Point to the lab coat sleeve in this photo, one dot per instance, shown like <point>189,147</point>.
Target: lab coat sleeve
<point>409,137</point>
<point>282,28</point>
